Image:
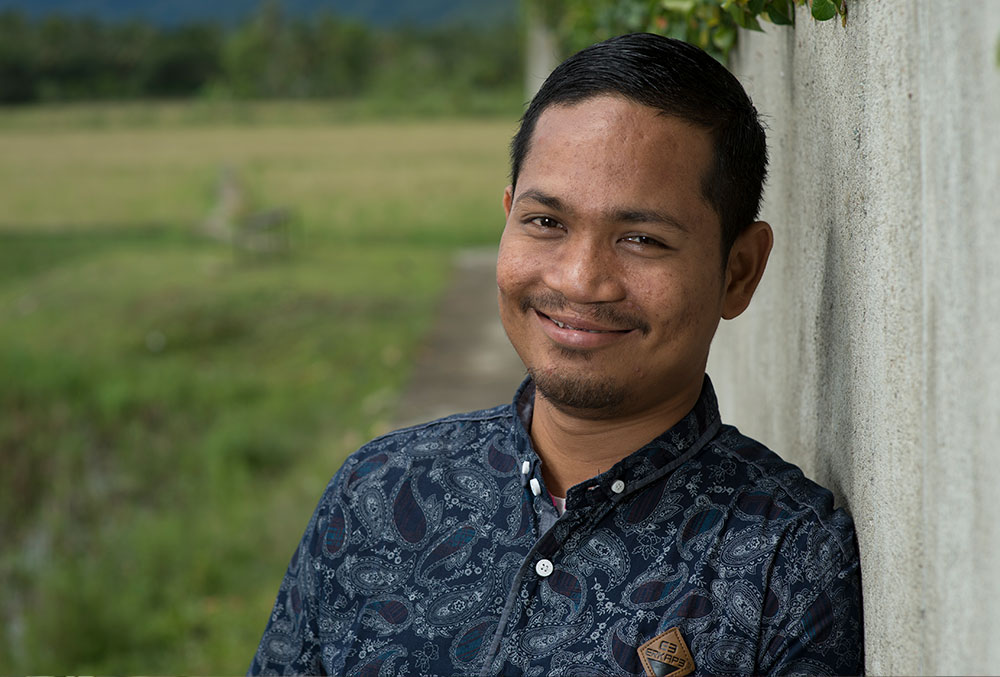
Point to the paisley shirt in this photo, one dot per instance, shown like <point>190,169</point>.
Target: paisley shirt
<point>436,550</point>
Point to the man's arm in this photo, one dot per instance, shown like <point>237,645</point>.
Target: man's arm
<point>823,631</point>
<point>290,644</point>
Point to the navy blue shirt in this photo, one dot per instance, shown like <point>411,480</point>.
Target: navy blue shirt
<point>436,550</point>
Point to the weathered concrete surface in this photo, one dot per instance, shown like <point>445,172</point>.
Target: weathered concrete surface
<point>466,361</point>
<point>541,53</point>
<point>869,356</point>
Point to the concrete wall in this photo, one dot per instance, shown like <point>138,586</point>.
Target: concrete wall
<point>541,54</point>
<point>871,356</point>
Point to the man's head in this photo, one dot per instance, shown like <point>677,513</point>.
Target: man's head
<point>678,80</point>
<point>609,280</point>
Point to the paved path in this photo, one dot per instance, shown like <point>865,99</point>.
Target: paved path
<point>466,361</point>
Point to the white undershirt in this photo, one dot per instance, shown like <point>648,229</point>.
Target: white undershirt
<point>560,504</point>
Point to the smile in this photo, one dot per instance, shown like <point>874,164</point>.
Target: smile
<point>581,325</point>
<point>579,334</point>
<point>563,325</point>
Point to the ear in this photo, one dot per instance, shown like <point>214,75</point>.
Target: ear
<point>747,260</point>
<point>508,200</point>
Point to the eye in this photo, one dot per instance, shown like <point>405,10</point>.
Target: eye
<point>545,222</point>
<point>644,241</point>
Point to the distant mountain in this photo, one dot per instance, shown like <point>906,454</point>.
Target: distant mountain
<point>230,12</point>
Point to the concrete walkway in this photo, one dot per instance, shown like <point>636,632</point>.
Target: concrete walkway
<point>466,361</point>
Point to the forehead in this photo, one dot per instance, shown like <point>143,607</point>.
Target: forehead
<point>611,151</point>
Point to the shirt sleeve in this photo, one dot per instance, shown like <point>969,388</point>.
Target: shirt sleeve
<point>291,642</point>
<point>823,632</point>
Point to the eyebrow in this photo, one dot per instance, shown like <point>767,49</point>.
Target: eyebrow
<point>549,201</point>
<point>622,215</point>
<point>648,216</point>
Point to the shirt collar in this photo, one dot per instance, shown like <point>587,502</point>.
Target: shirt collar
<point>650,462</point>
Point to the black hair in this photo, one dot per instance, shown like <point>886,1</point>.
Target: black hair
<point>679,80</point>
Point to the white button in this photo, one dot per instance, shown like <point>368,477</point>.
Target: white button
<point>536,488</point>
<point>525,468</point>
<point>618,486</point>
<point>543,568</point>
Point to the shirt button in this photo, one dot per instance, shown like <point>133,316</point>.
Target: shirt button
<point>618,486</point>
<point>525,468</point>
<point>536,488</point>
<point>543,568</point>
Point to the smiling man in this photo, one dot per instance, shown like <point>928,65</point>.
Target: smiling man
<point>606,522</point>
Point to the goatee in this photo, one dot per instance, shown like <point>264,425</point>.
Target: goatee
<point>591,398</point>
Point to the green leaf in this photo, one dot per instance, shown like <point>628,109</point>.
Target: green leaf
<point>781,12</point>
<point>752,24</point>
<point>676,30</point>
<point>682,6</point>
<point>742,18</point>
<point>756,6</point>
<point>778,19</point>
<point>823,10</point>
<point>736,13</point>
<point>724,38</point>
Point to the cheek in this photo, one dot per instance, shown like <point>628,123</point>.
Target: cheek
<point>509,286</point>
<point>681,304</point>
<point>506,280</point>
<point>514,266</point>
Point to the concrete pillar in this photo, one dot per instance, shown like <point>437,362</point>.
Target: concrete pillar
<point>869,356</point>
<point>541,55</point>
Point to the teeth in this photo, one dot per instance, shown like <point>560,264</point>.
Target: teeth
<point>563,325</point>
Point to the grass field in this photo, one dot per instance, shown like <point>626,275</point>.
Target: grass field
<point>172,407</point>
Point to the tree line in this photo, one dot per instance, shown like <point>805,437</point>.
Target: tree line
<point>269,55</point>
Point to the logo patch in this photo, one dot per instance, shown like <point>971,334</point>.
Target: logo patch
<point>666,654</point>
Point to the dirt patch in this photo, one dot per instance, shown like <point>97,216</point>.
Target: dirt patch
<point>466,362</point>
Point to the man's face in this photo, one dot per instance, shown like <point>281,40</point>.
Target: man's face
<point>610,282</point>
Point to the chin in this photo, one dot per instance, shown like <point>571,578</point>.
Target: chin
<point>582,396</point>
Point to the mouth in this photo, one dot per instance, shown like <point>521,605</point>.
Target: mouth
<point>581,325</point>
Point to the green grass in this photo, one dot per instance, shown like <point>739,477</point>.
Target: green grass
<point>228,112</point>
<point>173,409</point>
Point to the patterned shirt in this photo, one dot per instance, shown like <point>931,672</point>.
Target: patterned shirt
<point>436,550</point>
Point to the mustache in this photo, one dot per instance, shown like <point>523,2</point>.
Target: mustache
<point>602,313</point>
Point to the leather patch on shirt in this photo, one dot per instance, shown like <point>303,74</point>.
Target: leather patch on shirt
<point>666,654</point>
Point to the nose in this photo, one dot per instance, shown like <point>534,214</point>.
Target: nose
<point>585,270</point>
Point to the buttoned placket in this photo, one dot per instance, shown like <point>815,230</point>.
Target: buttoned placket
<point>540,559</point>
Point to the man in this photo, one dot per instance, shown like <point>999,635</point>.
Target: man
<point>606,522</point>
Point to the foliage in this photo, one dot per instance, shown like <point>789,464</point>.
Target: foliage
<point>710,24</point>
<point>270,55</point>
<point>58,59</point>
<point>173,411</point>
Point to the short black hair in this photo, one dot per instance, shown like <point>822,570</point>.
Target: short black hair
<point>679,80</point>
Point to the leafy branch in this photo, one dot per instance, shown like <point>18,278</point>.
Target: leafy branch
<point>710,24</point>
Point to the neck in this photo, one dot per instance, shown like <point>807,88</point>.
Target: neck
<point>575,448</point>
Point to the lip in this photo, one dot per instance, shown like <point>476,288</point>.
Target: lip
<point>578,332</point>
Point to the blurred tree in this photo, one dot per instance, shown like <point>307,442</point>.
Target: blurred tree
<point>266,56</point>
<point>70,56</point>
<point>17,59</point>
<point>182,61</point>
<point>251,53</point>
<point>270,55</point>
<point>340,55</point>
<point>129,49</point>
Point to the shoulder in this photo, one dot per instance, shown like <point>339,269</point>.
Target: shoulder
<point>766,486</point>
<point>459,438</point>
<point>451,435</point>
<point>788,525</point>
<point>446,431</point>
